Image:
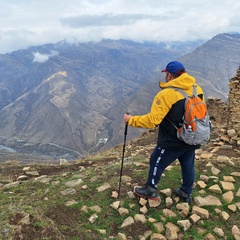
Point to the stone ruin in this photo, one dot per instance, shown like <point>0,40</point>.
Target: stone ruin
<point>225,116</point>
<point>234,102</point>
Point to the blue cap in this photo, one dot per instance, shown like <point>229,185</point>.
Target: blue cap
<point>175,67</point>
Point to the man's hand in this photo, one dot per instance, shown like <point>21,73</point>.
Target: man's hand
<point>126,117</point>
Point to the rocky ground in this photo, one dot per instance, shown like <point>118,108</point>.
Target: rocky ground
<point>80,200</point>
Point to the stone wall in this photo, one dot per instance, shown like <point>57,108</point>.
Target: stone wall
<point>234,103</point>
<point>218,111</point>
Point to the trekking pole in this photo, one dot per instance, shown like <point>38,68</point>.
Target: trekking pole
<point>124,144</point>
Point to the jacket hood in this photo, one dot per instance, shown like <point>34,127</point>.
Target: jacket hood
<point>184,81</point>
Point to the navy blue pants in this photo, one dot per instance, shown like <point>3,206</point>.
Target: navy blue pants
<point>161,158</point>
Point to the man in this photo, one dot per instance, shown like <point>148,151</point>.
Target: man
<point>167,107</point>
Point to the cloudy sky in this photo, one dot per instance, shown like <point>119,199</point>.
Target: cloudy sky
<point>35,22</point>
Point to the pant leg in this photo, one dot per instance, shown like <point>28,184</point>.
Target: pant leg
<point>159,160</point>
<point>188,170</point>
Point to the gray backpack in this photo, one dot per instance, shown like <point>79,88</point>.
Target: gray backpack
<point>196,123</point>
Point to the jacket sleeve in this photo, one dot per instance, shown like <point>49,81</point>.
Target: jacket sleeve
<point>159,109</point>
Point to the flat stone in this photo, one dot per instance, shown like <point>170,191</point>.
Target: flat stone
<point>203,213</point>
<point>127,222</point>
<point>70,203</point>
<point>238,193</point>
<point>96,208</point>
<point>215,171</point>
<point>215,188</point>
<point>32,173</point>
<point>228,186</point>
<point>236,232</point>
<point>69,191</point>
<point>219,232</point>
<point>167,192</point>
<point>45,180</point>
<point>171,233</point>
<point>115,205</point>
<point>143,210</point>
<point>194,218</point>
<point>140,218</point>
<point>26,169</point>
<point>169,202</point>
<point>74,183</point>
<point>228,196</point>
<point>183,208</point>
<point>231,132</point>
<point>201,184</point>
<point>102,231</point>
<point>22,178</point>
<point>10,185</point>
<point>157,236</point>
<point>169,213</point>
<point>224,215</point>
<point>93,218</point>
<point>159,226</point>
<point>122,236</point>
<point>131,195</point>
<point>104,187</point>
<point>232,207</point>
<point>154,203</point>
<point>228,179</point>
<point>209,200</point>
<point>222,158</point>
<point>25,220</point>
<point>123,211</point>
<point>209,236</point>
<point>142,201</point>
<point>171,225</point>
<point>236,174</point>
<point>206,155</point>
<point>204,178</point>
<point>185,224</point>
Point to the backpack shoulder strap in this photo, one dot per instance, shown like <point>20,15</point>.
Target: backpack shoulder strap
<point>194,91</point>
<point>172,123</point>
<point>183,92</point>
<point>185,96</point>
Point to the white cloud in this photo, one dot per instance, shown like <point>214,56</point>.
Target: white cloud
<point>26,23</point>
<point>41,58</point>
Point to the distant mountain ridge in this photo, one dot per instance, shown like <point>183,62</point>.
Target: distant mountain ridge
<point>67,100</point>
<point>57,99</point>
<point>214,63</point>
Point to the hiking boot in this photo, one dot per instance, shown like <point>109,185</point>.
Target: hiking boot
<point>147,192</point>
<point>184,196</point>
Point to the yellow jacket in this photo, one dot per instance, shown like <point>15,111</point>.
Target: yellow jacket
<point>170,103</point>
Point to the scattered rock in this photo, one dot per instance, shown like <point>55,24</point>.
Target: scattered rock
<point>203,213</point>
<point>69,191</point>
<point>93,218</point>
<point>115,205</point>
<point>209,200</point>
<point>74,183</point>
<point>104,187</point>
<point>127,222</point>
<point>22,178</point>
<point>185,224</point>
<point>215,188</point>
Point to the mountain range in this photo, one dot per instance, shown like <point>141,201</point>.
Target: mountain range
<point>67,100</point>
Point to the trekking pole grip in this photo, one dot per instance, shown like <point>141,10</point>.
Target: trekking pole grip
<point>126,125</point>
